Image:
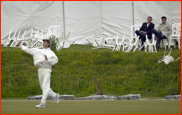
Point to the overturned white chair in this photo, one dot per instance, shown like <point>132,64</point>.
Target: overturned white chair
<point>10,38</point>
<point>176,35</point>
<point>102,44</point>
<point>54,30</point>
<point>29,40</point>
<point>133,28</point>
<point>38,40</point>
<point>62,42</point>
<point>17,39</point>
<point>134,41</point>
<point>132,44</point>
<point>91,40</point>
<point>119,44</point>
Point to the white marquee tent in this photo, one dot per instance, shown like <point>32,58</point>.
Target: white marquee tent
<point>82,18</point>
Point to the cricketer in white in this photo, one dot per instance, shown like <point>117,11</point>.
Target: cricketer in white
<point>43,60</point>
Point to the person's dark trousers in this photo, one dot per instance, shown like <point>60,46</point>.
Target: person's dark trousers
<point>142,37</point>
<point>159,36</point>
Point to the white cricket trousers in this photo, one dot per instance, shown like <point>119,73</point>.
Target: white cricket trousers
<point>44,80</point>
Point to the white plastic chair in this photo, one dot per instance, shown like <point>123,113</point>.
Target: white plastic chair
<point>19,39</point>
<point>91,40</point>
<point>54,30</point>
<point>102,44</point>
<point>133,28</point>
<point>119,44</point>
<point>132,44</point>
<point>46,33</point>
<point>39,39</point>
<point>134,39</point>
<point>9,38</point>
<point>62,42</point>
<point>151,44</point>
<point>30,40</point>
<point>176,35</point>
<point>111,40</point>
<point>13,44</point>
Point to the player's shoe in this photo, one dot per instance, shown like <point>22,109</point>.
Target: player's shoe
<point>56,98</point>
<point>41,105</point>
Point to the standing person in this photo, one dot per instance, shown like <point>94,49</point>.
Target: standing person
<point>164,29</point>
<point>145,29</point>
<point>43,60</point>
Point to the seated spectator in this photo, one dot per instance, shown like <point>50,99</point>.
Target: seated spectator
<point>146,28</point>
<point>162,32</point>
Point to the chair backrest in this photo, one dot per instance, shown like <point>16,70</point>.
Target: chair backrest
<point>133,28</point>
<point>18,34</point>
<point>39,34</point>
<point>18,38</point>
<point>134,42</point>
<point>31,33</point>
<point>176,29</point>
<point>10,34</point>
<point>156,27</point>
<point>54,30</point>
<point>117,39</point>
<point>9,37</point>
<point>102,41</point>
<point>122,42</point>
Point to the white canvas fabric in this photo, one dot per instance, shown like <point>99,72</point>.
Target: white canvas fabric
<point>82,18</point>
<point>157,9</point>
<point>116,17</point>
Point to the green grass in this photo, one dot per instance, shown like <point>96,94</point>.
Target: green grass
<point>118,73</point>
<point>93,107</point>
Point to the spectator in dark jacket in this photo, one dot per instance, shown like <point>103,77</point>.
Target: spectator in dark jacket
<point>146,28</point>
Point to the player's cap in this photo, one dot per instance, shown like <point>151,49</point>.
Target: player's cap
<point>47,40</point>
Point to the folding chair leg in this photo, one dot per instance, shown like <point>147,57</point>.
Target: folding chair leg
<point>6,44</point>
<point>15,44</point>
<point>169,43</point>
<point>145,48</point>
<point>179,44</point>
<point>164,44</point>
<point>129,48</point>
<point>135,49</point>
<point>174,43</point>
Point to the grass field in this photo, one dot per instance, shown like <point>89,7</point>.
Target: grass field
<point>150,106</point>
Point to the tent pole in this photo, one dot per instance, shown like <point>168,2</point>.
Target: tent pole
<point>31,15</point>
<point>133,13</point>
<point>101,18</point>
<point>64,28</point>
<point>133,16</point>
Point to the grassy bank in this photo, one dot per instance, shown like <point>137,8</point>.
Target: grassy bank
<point>118,73</point>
